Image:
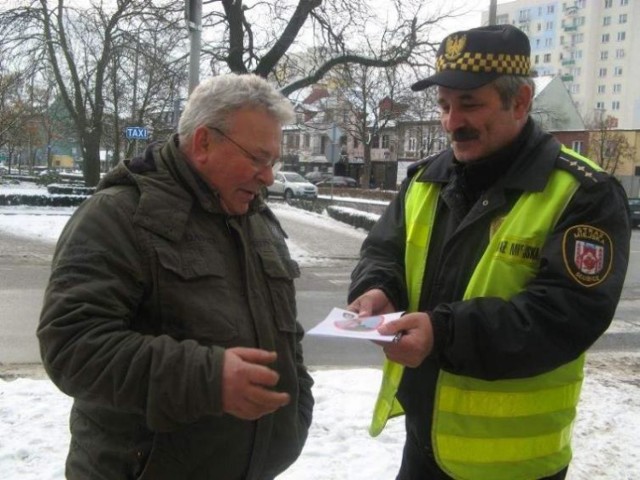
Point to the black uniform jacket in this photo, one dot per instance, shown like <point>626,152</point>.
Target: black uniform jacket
<point>151,282</point>
<point>554,320</point>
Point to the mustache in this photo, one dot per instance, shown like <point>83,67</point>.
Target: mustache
<point>464,134</point>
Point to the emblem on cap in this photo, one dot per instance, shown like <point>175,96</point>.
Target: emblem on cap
<point>587,253</point>
<point>454,45</point>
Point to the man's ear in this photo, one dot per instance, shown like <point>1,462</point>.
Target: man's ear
<point>522,101</point>
<point>200,144</point>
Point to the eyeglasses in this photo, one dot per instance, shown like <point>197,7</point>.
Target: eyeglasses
<point>259,163</point>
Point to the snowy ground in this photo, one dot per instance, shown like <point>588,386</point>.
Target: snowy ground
<point>34,434</point>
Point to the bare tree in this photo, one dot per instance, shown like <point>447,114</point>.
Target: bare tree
<point>608,147</point>
<point>77,45</point>
<point>266,38</point>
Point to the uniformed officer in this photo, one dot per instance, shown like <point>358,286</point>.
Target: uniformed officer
<point>509,252</point>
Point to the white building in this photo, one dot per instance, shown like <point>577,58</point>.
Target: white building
<point>592,44</point>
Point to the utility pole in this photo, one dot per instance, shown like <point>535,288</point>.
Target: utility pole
<point>493,8</point>
<point>193,13</point>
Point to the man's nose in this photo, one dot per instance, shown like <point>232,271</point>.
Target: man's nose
<point>453,120</point>
<point>266,175</point>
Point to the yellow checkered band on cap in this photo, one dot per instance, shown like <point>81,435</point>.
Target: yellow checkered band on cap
<point>501,63</point>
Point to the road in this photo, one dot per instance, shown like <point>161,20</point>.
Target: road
<point>331,255</point>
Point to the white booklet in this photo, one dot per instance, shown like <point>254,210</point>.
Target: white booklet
<point>346,324</point>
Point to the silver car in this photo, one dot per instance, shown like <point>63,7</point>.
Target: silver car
<point>292,185</point>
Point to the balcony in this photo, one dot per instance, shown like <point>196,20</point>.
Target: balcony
<point>566,78</point>
<point>568,62</point>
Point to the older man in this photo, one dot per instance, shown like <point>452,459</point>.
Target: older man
<point>509,252</point>
<point>170,314</point>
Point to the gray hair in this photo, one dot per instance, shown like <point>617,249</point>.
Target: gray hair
<point>509,85</point>
<point>213,100</point>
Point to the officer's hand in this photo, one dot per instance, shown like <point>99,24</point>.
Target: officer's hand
<point>246,383</point>
<point>416,342</point>
<point>372,302</point>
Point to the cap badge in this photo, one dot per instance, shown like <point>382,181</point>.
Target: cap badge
<point>454,46</point>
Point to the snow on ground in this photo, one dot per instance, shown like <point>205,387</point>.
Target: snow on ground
<point>34,414</point>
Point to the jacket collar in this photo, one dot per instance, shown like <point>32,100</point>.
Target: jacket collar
<point>529,171</point>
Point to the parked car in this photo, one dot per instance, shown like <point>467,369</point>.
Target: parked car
<point>337,181</point>
<point>292,185</point>
<point>634,207</point>
<point>317,176</point>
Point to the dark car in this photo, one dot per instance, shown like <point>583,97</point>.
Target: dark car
<point>634,207</point>
<point>340,182</point>
<point>315,177</point>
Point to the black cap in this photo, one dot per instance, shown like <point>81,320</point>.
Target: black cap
<point>472,58</point>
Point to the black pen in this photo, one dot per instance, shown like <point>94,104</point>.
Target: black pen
<point>397,336</point>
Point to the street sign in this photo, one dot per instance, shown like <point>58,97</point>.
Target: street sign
<point>136,133</point>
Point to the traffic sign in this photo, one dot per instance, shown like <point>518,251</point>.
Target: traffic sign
<point>136,133</point>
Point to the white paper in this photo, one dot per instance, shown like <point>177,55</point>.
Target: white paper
<point>346,324</point>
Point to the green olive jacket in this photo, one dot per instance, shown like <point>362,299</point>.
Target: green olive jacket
<point>151,282</point>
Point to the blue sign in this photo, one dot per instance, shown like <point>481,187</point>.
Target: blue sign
<point>136,133</point>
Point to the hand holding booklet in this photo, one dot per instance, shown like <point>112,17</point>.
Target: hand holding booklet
<point>346,324</point>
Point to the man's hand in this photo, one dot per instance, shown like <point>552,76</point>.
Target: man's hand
<point>246,381</point>
<point>372,302</point>
<point>415,343</point>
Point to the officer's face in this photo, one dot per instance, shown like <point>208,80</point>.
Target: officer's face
<point>236,161</point>
<point>477,122</point>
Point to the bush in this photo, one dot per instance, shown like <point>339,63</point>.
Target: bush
<point>353,217</point>
<point>51,176</point>
<point>41,200</point>
<point>59,189</point>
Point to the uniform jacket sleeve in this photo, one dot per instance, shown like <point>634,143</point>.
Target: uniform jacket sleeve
<point>556,318</point>
<point>381,262</point>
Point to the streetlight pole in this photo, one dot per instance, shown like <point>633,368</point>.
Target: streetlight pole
<point>193,12</point>
<point>493,9</point>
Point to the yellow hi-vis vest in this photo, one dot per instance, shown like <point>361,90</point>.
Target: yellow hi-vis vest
<point>516,429</point>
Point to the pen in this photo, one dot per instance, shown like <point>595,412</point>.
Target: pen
<point>397,336</point>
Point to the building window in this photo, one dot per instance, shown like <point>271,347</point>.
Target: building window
<point>604,55</point>
<point>536,59</point>
<point>306,140</point>
<point>550,8</point>
<point>615,105</point>
<point>577,146</point>
<point>617,88</point>
<point>608,3</point>
<point>620,53</point>
<point>624,2</point>
<point>605,38</point>
<point>602,72</point>
<point>622,18</point>
<point>524,15</point>
<point>549,26</point>
<point>576,72</point>
<point>385,141</point>
<point>606,21</point>
<point>575,88</point>
<point>617,71</point>
<point>548,42</point>
<point>547,57</point>
<point>600,106</point>
<point>622,36</point>
<point>602,88</point>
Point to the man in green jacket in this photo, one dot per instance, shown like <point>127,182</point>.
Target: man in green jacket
<point>508,251</point>
<point>170,313</point>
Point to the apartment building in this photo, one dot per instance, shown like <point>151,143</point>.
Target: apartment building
<point>592,45</point>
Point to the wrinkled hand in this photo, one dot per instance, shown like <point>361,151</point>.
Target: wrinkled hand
<point>372,302</point>
<point>246,382</point>
<point>416,342</point>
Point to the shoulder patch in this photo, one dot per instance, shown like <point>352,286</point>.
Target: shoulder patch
<point>584,173</point>
<point>587,252</point>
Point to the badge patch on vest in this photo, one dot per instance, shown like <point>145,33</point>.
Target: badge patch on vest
<point>587,253</point>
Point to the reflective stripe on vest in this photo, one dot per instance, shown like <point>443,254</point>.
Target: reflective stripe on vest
<point>508,429</point>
